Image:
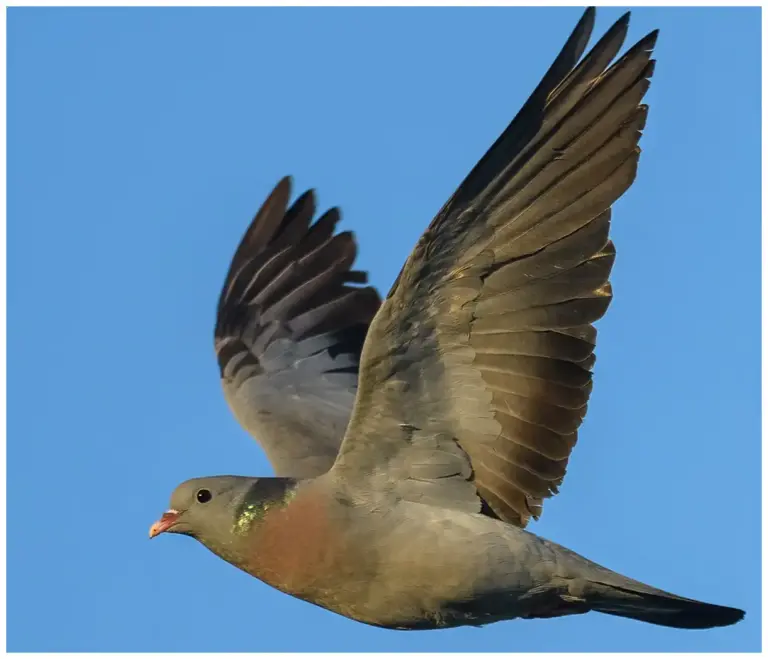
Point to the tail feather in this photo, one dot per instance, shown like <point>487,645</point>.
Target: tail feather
<point>640,602</point>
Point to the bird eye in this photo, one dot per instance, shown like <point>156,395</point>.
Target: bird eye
<point>204,496</point>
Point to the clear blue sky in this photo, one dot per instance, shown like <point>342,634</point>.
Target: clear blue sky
<point>140,142</point>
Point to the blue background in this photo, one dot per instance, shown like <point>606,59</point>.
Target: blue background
<point>141,141</point>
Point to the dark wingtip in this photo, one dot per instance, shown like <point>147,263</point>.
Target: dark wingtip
<point>624,18</point>
<point>282,189</point>
<point>581,34</point>
<point>306,197</point>
<point>651,38</point>
<point>281,194</point>
<point>334,212</point>
<point>588,15</point>
<point>621,25</point>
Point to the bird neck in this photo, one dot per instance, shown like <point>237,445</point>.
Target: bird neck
<point>248,513</point>
<point>291,537</point>
<point>264,496</point>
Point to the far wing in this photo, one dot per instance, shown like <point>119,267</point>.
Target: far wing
<point>289,330</point>
<point>476,370</point>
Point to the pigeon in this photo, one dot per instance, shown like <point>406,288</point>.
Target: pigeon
<point>413,438</point>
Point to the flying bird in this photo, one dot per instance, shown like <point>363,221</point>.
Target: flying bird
<point>414,438</point>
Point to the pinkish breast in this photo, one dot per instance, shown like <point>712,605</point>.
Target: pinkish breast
<point>302,549</point>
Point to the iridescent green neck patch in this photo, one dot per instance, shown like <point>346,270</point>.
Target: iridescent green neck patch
<point>266,494</point>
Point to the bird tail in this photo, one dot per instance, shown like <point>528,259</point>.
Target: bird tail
<point>631,599</point>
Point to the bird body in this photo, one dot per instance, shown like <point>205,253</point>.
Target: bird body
<point>410,566</point>
<point>414,438</point>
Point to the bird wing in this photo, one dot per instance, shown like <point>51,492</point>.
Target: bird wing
<point>289,330</point>
<point>476,370</point>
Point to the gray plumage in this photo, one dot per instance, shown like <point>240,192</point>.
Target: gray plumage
<point>289,330</point>
<point>402,499</point>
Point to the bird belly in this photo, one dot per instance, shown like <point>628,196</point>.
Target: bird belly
<point>411,567</point>
<point>428,568</point>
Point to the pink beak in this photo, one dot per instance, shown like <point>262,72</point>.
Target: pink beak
<point>169,518</point>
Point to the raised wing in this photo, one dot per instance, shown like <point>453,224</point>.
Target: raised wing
<point>289,329</point>
<point>477,368</point>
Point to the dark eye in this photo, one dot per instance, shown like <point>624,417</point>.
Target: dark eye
<point>204,496</point>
